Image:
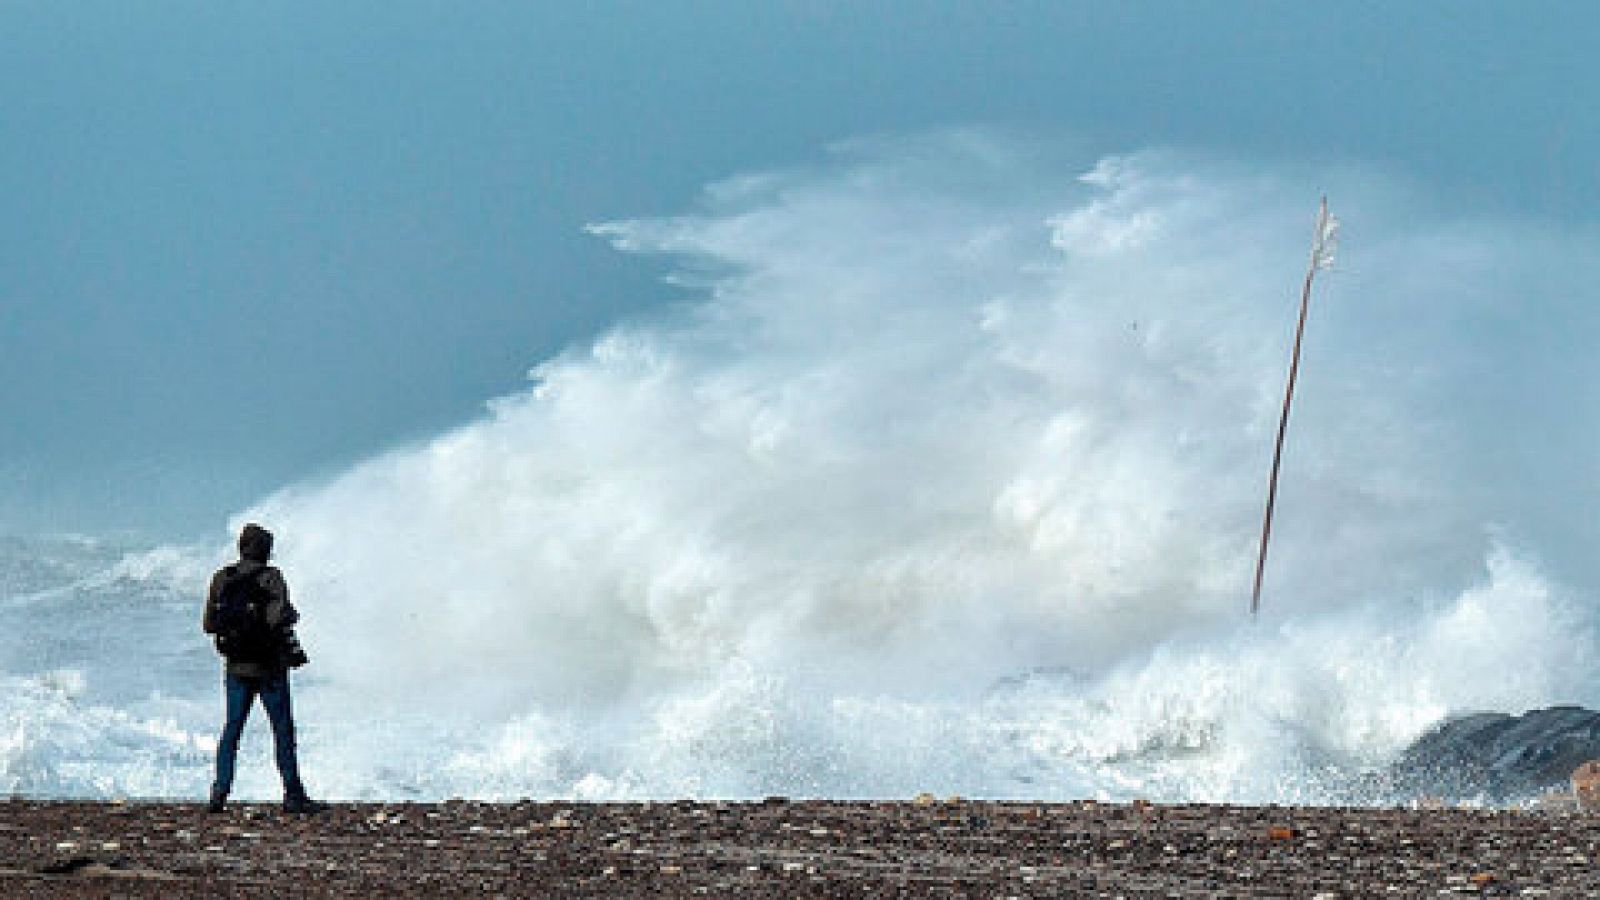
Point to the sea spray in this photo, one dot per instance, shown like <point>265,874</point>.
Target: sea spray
<point>945,476</point>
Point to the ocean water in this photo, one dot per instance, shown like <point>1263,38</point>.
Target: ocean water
<point>945,475</point>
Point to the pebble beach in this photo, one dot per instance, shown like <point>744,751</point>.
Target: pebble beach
<point>945,847</point>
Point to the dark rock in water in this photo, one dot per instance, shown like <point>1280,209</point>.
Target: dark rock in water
<point>1499,758</point>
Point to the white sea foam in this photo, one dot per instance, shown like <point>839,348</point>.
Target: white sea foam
<point>54,743</point>
<point>947,476</point>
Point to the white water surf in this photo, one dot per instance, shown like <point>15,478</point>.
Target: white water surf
<point>946,475</point>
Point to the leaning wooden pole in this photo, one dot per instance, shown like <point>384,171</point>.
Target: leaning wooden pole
<point>1322,248</point>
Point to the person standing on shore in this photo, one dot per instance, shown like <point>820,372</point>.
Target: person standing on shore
<point>248,610</point>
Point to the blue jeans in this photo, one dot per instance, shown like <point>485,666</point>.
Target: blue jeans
<point>274,693</point>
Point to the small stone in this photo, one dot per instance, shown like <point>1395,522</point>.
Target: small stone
<point>67,845</point>
<point>925,799</point>
<point>1586,785</point>
<point>672,870</point>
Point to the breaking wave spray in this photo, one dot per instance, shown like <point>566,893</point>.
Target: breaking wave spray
<point>946,475</point>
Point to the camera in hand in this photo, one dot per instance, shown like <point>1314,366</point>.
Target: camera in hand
<point>294,655</point>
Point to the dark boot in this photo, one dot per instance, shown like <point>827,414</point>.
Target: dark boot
<point>218,802</point>
<point>296,803</point>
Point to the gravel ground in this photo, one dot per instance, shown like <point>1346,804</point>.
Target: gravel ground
<point>779,848</point>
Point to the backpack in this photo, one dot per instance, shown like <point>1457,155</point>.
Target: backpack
<point>240,619</point>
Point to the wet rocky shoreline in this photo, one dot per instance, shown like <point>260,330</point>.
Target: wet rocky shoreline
<point>782,848</point>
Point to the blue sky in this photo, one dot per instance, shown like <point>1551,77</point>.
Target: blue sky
<point>247,244</point>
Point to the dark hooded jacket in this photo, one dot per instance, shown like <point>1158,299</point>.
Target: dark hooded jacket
<point>255,547</point>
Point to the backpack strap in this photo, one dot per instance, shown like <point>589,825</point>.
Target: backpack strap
<point>234,573</point>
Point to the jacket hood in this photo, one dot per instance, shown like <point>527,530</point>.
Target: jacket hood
<point>255,543</point>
